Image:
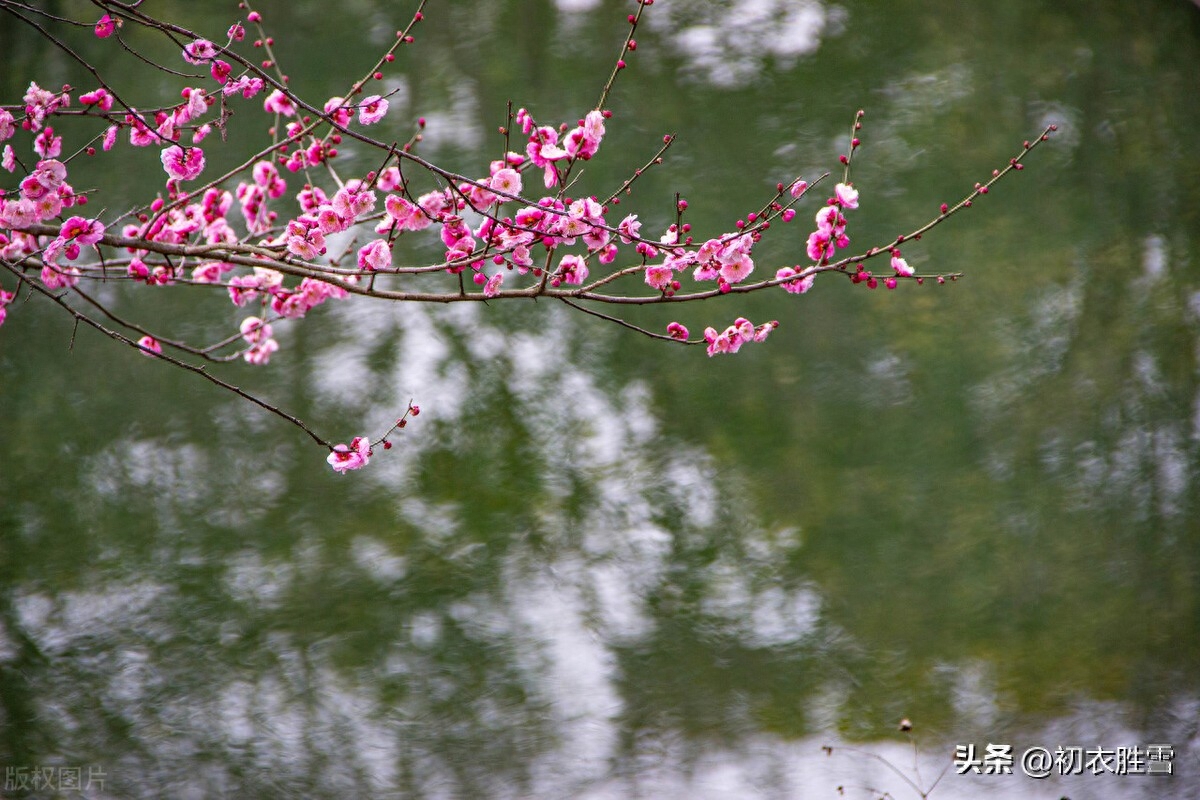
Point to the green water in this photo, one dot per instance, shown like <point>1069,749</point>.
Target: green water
<point>598,566</point>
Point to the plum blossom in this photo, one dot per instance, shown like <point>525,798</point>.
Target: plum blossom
<point>277,103</point>
<point>739,333</point>
<point>799,286</point>
<point>46,144</point>
<point>9,159</point>
<point>506,180</point>
<point>100,98</point>
<point>46,178</point>
<point>105,27</point>
<point>150,344</point>
<point>584,141</point>
<point>220,71</point>
<point>677,331</point>
<point>344,458</point>
<point>181,164</point>
<point>18,213</point>
<point>336,108</point>
<point>543,151</point>
<point>309,294</point>
<point>246,85</point>
<point>846,196</point>
<point>39,104</point>
<point>194,106</point>
<point>659,277</point>
<point>5,299</point>
<point>736,268</point>
<point>406,215</point>
<point>353,200</point>
<point>83,231</point>
<point>210,272</point>
<point>629,228</point>
<point>372,109</point>
<point>492,287</point>
<point>56,277</point>
<point>7,124</point>
<point>260,353</point>
<point>257,334</point>
<point>254,330</point>
<point>901,266</point>
<point>390,179</point>
<point>199,51</point>
<point>266,175</point>
<point>305,238</point>
<point>140,134</point>
<point>573,269</point>
<point>375,255</point>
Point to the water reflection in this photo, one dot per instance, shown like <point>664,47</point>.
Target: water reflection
<point>729,43</point>
<point>584,574</point>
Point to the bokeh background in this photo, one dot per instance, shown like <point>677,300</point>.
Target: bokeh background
<point>598,566</point>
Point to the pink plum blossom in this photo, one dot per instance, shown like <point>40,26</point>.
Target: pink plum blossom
<point>5,299</point>
<point>220,71</point>
<point>799,286</point>
<point>100,98</point>
<point>150,344</point>
<point>344,458</point>
<point>901,266</point>
<point>246,85</point>
<point>629,228</point>
<point>677,331</point>
<point>390,179</point>
<point>83,231</point>
<point>199,51</point>
<point>304,238</point>
<point>210,272</point>
<point>336,108</point>
<point>353,200</point>
<point>181,164</point>
<point>46,144</point>
<point>406,215</point>
<point>254,330</point>
<point>259,354</point>
<point>278,103</point>
<point>819,246</point>
<point>584,141</point>
<point>847,196</point>
<point>257,334</point>
<point>506,180</point>
<point>492,287</point>
<point>375,255</point>
<point>737,268</point>
<point>573,269</point>
<point>55,277</point>
<point>372,109</point>
<point>39,104</point>
<point>732,338</point>
<point>659,277</point>
<point>105,27</point>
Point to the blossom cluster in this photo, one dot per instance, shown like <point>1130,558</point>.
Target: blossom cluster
<point>278,247</point>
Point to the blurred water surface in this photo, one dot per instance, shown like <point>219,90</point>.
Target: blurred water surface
<point>600,567</point>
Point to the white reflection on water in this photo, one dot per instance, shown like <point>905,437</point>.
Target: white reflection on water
<point>728,42</point>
